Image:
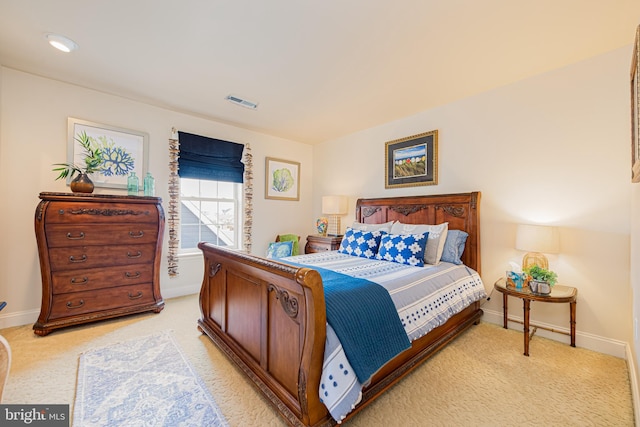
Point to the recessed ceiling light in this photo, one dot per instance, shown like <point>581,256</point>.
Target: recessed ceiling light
<point>61,42</point>
<point>242,102</point>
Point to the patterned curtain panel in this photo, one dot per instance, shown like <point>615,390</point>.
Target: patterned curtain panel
<point>173,220</point>
<point>195,156</point>
<point>248,196</point>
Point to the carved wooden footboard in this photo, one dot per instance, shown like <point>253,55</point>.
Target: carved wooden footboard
<point>269,318</point>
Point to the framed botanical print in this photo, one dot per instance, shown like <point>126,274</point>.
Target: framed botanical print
<point>124,151</point>
<point>412,161</point>
<point>282,180</point>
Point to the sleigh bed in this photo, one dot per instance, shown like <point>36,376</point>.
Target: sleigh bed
<point>270,317</point>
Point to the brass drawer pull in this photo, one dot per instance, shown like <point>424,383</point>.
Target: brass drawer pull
<point>83,258</point>
<point>137,255</point>
<point>84,281</point>
<point>135,296</point>
<point>79,237</point>
<point>70,304</point>
<point>132,276</point>
<point>136,236</point>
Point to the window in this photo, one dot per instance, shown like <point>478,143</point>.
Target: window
<point>210,211</point>
<point>209,205</point>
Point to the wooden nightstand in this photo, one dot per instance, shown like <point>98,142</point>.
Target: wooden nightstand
<point>318,243</point>
<point>559,294</point>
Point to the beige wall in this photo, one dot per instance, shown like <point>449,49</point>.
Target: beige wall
<point>33,135</point>
<point>551,149</point>
<point>635,280</point>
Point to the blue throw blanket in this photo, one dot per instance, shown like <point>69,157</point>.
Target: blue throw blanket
<point>365,320</point>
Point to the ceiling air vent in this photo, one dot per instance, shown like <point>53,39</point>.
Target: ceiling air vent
<point>242,102</point>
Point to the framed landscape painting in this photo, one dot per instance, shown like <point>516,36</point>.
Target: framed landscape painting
<point>412,161</point>
<point>124,151</point>
<point>282,180</point>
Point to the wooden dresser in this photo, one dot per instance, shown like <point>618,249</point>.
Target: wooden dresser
<point>99,257</point>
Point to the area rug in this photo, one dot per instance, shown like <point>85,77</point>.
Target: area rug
<point>143,382</point>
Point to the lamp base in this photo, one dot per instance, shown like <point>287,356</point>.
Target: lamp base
<point>535,258</point>
<point>334,226</point>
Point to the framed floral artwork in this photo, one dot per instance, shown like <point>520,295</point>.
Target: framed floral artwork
<point>124,151</point>
<point>282,180</point>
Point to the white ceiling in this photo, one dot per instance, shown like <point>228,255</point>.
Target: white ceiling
<point>318,69</point>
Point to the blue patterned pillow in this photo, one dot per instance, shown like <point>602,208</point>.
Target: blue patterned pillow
<point>279,249</point>
<point>360,243</point>
<point>403,248</point>
<point>454,246</point>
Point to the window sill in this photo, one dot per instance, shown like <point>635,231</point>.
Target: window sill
<point>187,255</point>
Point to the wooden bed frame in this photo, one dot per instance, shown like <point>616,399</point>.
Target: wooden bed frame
<point>269,318</point>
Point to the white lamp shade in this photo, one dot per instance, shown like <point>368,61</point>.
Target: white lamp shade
<point>334,205</point>
<point>538,238</point>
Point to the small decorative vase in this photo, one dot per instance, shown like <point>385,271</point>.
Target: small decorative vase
<point>82,184</point>
<point>133,184</point>
<point>321,226</point>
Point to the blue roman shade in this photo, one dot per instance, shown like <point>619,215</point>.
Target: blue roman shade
<point>209,158</point>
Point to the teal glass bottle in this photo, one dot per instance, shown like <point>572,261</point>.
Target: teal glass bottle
<point>133,184</point>
<point>149,185</point>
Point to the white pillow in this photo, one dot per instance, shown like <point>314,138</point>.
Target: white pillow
<point>386,227</point>
<point>435,242</point>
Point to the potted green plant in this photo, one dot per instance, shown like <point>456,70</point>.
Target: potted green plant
<point>541,279</point>
<point>93,162</point>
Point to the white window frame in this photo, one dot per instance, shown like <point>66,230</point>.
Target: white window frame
<point>237,206</point>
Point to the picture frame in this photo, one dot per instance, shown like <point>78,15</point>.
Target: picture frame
<point>126,151</point>
<point>282,179</point>
<point>635,110</point>
<point>412,161</point>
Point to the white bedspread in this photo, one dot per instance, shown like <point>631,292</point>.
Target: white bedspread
<point>425,297</point>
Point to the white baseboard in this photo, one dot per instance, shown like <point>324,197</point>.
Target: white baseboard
<point>180,291</point>
<point>585,340</point>
<point>635,393</point>
<point>9,320</point>
<point>20,318</point>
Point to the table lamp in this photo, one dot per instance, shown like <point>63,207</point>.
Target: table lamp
<point>537,240</point>
<point>333,207</point>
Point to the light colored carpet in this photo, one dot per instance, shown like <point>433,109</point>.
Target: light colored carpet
<point>481,379</point>
<point>144,381</point>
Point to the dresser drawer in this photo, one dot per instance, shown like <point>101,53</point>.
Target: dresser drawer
<point>61,235</point>
<point>317,243</point>
<point>76,303</point>
<point>82,257</point>
<point>87,212</point>
<point>98,278</point>
<point>311,248</point>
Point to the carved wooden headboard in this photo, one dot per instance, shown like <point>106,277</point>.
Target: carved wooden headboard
<point>461,211</point>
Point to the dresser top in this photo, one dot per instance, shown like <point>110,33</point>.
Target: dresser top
<point>90,197</point>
